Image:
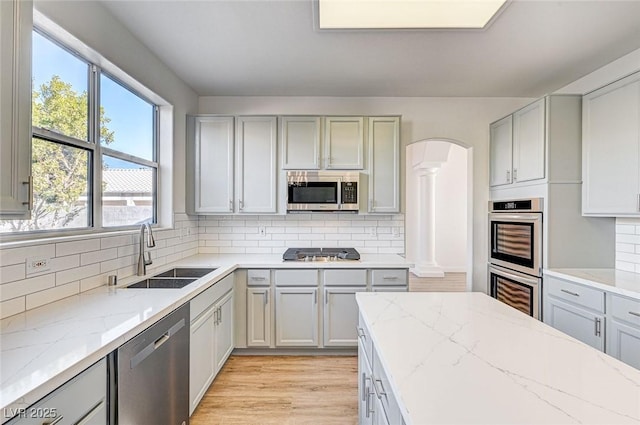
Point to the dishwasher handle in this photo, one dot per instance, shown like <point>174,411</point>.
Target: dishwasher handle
<point>154,345</point>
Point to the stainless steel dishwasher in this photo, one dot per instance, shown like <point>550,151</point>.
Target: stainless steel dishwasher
<point>152,379</point>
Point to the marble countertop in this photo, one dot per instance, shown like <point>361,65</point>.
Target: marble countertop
<point>42,348</point>
<point>462,358</point>
<point>616,281</point>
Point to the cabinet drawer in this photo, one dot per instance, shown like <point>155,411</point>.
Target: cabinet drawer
<point>389,277</point>
<point>83,397</point>
<point>345,277</point>
<point>625,309</point>
<point>384,393</point>
<point>206,299</point>
<point>296,277</point>
<point>365,340</point>
<point>258,277</point>
<point>581,295</point>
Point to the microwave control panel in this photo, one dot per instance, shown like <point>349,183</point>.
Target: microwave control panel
<point>349,193</point>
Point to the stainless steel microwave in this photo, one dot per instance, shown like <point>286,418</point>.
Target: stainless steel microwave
<point>313,191</point>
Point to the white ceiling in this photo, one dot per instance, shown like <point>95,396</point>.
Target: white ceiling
<point>270,48</point>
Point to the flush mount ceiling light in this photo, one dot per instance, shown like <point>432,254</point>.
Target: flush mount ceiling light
<point>399,14</point>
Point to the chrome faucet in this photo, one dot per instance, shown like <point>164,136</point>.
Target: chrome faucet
<point>145,260</point>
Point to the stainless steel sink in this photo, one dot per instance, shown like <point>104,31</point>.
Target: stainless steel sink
<point>174,278</point>
<point>181,272</point>
<point>153,282</point>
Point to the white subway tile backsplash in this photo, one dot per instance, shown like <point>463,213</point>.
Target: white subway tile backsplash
<point>38,299</point>
<point>12,273</point>
<point>116,241</point>
<point>26,286</point>
<point>10,256</point>
<point>70,275</point>
<point>98,256</point>
<point>77,247</point>
<point>628,244</point>
<point>11,307</point>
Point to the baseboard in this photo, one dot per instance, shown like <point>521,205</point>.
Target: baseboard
<point>346,351</point>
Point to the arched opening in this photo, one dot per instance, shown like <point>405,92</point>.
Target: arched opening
<point>439,204</point>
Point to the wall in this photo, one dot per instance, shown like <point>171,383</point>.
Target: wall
<point>628,244</point>
<point>369,234</point>
<point>82,263</point>
<point>463,119</point>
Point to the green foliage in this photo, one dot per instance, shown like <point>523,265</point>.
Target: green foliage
<point>60,173</point>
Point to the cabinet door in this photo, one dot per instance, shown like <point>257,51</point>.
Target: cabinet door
<point>344,143</point>
<point>576,322</point>
<point>341,316</point>
<point>224,330</point>
<point>213,157</point>
<point>610,155</point>
<point>500,152</point>
<point>384,162</point>
<point>202,366</point>
<point>297,317</point>
<point>300,143</point>
<point>256,176</point>
<point>366,393</point>
<point>623,342</point>
<point>15,109</point>
<point>258,317</point>
<point>529,142</point>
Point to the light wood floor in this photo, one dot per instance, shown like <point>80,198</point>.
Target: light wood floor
<point>288,390</point>
<point>451,282</point>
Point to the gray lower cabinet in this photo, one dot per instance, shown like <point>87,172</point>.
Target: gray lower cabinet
<point>82,400</point>
<point>575,321</point>
<point>211,340</point>
<point>297,316</point>
<point>623,329</point>
<point>341,316</point>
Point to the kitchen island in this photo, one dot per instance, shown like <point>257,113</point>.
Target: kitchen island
<point>467,358</point>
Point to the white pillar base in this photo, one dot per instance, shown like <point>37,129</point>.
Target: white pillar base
<point>427,271</point>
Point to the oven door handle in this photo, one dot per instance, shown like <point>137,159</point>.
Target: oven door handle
<point>518,277</point>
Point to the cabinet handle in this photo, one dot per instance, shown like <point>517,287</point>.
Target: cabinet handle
<point>570,293</point>
<point>258,278</point>
<point>55,421</point>
<point>638,201</point>
<point>633,313</point>
<point>368,408</point>
<point>315,296</point>
<point>220,315</point>
<point>29,201</point>
<point>361,333</point>
<point>390,278</point>
<point>86,418</point>
<point>266,297</point>
<point>508,176</point>
<point>215,316</point>
<point>364,386</point>
<point>598,326</point>
<point>381,392</point>
<point>515,174</point>
<point>240,204</point>
<point>231,205</point>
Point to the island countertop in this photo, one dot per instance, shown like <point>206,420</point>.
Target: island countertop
<point>467,358</point>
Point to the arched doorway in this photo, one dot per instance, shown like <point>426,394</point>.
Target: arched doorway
<point>439,203</point>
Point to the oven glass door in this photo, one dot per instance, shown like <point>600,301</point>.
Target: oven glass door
<point>515,241</point>
<point>516,290</point>
<point>313,193</point>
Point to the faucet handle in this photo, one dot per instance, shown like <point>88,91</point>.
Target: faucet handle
<point>147,258</point>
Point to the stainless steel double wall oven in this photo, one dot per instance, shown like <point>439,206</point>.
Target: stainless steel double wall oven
<point>515,254</point>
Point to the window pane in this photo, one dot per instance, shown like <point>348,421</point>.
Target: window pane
<point>128,192</point>
<point>61,190</point>
<point>60,85</point>
<point>130,120</point>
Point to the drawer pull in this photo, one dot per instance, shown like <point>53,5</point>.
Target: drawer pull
<point>575,294</point>
<point>368,408</point>
<point>365,388</point>
<point>361,333</point>
<point>86,418</point>
<point>598,327</point>
<point>633,313</point>
<point>258,278</point>
<point>390,278</point>
<point>381,392</point>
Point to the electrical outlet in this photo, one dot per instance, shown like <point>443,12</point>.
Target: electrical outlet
<point>373,231</point>
<point>38,264</point>
<point>395,232</point>
<point>262,231</point>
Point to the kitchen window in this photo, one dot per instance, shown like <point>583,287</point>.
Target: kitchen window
<point>94,146</point>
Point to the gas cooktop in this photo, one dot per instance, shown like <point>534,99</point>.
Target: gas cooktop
<point>320,254</point>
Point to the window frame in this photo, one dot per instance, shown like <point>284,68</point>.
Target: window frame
<point>93,144</point>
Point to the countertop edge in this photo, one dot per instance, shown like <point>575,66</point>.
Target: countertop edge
<point>608,284</point>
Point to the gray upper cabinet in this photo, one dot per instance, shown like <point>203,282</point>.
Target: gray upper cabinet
<point>611,149</point>
<point>16,23</point>
<point>528,142</point>
<point>300,142</point>
<point>539,143</point>
<point>210,170</point>
<point>256,158</point>
<point>384,163</point>
<point>344,143</point>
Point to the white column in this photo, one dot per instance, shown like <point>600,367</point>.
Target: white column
<point>426,265</point>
